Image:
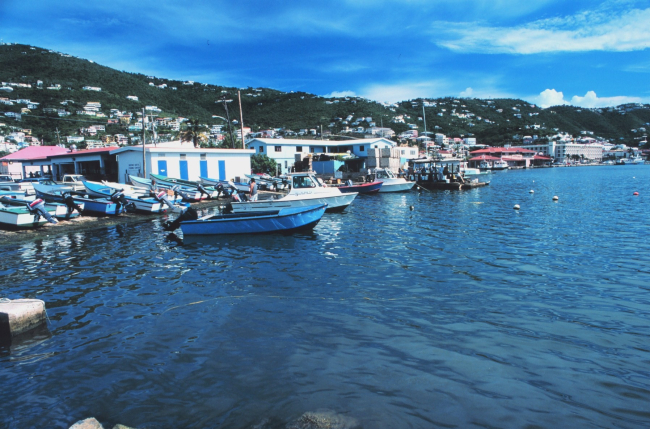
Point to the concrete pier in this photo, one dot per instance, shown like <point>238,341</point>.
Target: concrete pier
<point>20,315</point>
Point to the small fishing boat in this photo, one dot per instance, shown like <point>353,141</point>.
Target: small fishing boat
<point>189,194</point>
<point>58,210</point>
<point>25,215</point>
<point>95,206</point>
<point>390,182</point>
<point>268,182</point>
<point>361,188</point>
<point>239,186</point>
<point>281,220</point>
<point>141,203</point>
<point>210,191</point>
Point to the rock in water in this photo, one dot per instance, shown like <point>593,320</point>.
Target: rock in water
<point>89,423</point>
<point>323,419</point>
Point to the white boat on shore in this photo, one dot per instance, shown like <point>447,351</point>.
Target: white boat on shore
<point>306,190</point>
<point>390,182</point>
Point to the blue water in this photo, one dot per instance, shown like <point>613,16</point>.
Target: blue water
<point>459,313</point>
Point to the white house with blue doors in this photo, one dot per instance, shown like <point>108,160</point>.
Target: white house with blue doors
<point>183,162</point>
<point>284,151</point>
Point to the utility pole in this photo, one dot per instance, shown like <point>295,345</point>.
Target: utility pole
<point>225,106</point>
<point>241,120</point>
<point>58,136</point>
<point>144,157</point>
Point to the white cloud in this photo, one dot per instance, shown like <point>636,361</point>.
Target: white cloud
<point>468,93</point>
<point>551,97</point>
<point>592,100</point>
<point>339,94</point>
<point>600,30</point>
<point>404,91</point>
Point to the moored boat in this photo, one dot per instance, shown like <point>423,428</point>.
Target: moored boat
<point>280,220</point>
<point>442,173</point>
<point>209,191</point>
<point>306,190</point>
<point>141,203</point>
<point>361,188</point>
<point>390,182</point>
<point>188,194</point>
<point>95,206</point>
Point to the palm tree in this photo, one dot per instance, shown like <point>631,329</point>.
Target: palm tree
<point>193,132</point>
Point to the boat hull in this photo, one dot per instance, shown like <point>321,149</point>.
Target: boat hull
<point>365,188</point>
<point>335,203</point>
<point>283,220</point>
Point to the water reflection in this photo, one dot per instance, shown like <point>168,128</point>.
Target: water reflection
<point>460,312</point>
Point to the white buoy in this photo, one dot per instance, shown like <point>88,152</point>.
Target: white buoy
<point>555,198</point>
<point>516,206</point>
<point>531,191</point>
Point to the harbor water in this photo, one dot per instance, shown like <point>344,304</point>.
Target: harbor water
<point>416,310</point>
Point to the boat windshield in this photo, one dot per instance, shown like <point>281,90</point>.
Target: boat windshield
<point>304,182</point>
<point>384,174</point>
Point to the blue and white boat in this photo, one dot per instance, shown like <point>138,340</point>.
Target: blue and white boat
<point>140,203</point>
<point>59,210</point>
<point>189,194</point>
<point>96,206</point>
<point>282,220</point>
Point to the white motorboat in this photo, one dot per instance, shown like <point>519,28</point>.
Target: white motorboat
<point>306,190</point>
<point>637,160</point>
<point>494,165</point>
<point>390,182</point>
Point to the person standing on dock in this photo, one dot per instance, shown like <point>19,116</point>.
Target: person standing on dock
<point>253,190</point>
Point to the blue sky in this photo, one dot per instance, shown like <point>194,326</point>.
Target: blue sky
<point>588,53</point>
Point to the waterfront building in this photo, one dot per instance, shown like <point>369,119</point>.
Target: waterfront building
<point>286,152</point>
<point>516,157</point>
<point>31,159</point>
<point>568,150</point>
<point>183,161</point>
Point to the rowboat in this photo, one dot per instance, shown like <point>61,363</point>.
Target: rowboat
<point>188,194</point>
<point>281,220</point>
<point>306,190</point>
<point>362,188</point>
<point>141,203</point>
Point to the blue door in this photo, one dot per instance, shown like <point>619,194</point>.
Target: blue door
<point>162,168</point>
<point>183,168</point>
<point>222,170</point>
<point>204,168</point>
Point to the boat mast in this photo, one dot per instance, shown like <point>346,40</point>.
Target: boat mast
<point>241,118</point>
<point>144,158</point>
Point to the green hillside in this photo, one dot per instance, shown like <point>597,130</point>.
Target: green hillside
<point>492,122</point>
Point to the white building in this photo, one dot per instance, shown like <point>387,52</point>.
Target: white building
<point>183,161</point>
<point>563,151</point>
<point>286,152</point>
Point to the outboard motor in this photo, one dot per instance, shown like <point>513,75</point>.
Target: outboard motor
<point>161,197</point>
<point>119,198</point>
<point>238,197</point>
<point>37,208</point>
<point>178,191</point>
<point>202,190</point>
<point>70,204</point>
<point>187,214</point>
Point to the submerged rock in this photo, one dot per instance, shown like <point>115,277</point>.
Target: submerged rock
<point>323,419</point>
<point>89,423</point>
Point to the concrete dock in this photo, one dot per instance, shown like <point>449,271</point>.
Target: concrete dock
<point>20,315</point>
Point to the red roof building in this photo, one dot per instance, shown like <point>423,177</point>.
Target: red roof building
<point>516,157</point>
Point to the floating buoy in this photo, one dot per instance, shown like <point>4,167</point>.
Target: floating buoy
<point>412,208</point>
<point>555,198</point>
<point>531,191</point>
<point>636,193</point>
<point>516,207</point>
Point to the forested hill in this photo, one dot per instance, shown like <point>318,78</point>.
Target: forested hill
<point>495,122</point>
